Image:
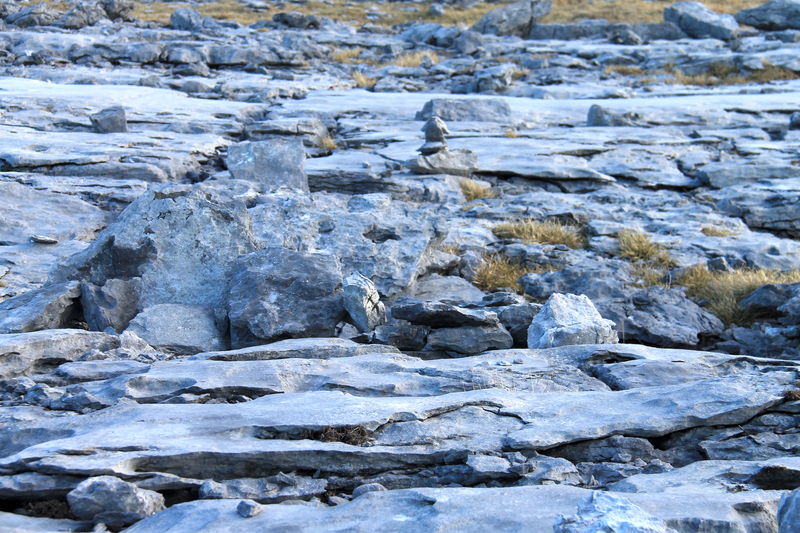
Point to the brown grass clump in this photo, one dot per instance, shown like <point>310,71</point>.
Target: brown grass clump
<point>725,74</point>
<point>772,73</point>
<point>636,246</point>
<point>714,231</point>
<point>474,190</point>
<point>362,80</point>
<point>346,55</point>
<point>625,70</point>
<point>415,59</point>
<point>547,232</point>
<point>499,272</point>
<point>722,291</point>
<point>327,143</point>
<point>511,133</point>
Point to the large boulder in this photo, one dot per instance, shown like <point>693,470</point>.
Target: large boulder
<point>700,22</point>
<point>514,19</point>
<point>385,240</point>
<point>39,14</point>
<point>181,243</point>
<point>662,317</point>
<point>277,293</point>
<point>774,15</point>
<point>114,502</point>
<point>274,163</point>
<point>568,319</point>
<point>118,9</point>
<point>81,15</point>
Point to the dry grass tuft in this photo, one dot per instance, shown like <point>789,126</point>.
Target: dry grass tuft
<point>714,231</point>
<point>547,232</point>
<point>511,133</point>
<point>722,291</point>
<point>327,143</point>
<point>772,73</point>
<point>362,80</point>
<point>415,59</point>
<point>637,247</point>
<point>499,272</point>
<point>724,74</point>
<point>624,70</point>
<point>474,190</point>
<point>346,55</point>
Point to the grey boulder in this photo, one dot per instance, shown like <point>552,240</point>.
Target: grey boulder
<point>114,502</point>
<point>440,314</point>
<point>363,303</point>
<point>700,22</point>
<point>773,15</point>
<point>514,19</point>
<point>179,329</point>
<point>568,319</point>
<point>181,242</point>
<point>600,116</point>
<point>278,292</point>
<point>274,163</point>
<point>469,340</point>
<point>110,120</point>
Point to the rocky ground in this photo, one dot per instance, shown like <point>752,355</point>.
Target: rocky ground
<point>306,276</point>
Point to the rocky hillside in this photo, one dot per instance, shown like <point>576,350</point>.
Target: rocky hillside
<point>298,274</point>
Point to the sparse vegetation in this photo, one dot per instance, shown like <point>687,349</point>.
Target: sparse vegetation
<point>346,55</point>
<point>630,11</point>
<point>722,291</point>
<point>636,246</point>
<point>362,80</point>
<point>499,272</point>
<point>474,190</point>
<point>650,262</point>
<point>392,13</point>
<point>714,231</point>
<point>327,143</point>
<point>624,70</point>
<point>511,133</point>
<point>542,232</point>
<point>415,59</point>
<point>719,73</point>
